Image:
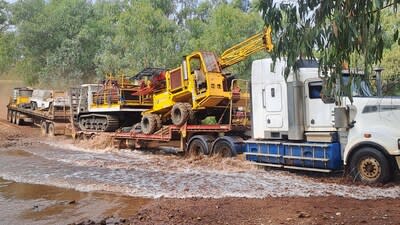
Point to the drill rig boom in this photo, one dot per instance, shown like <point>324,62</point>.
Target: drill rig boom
<point>241,51</point>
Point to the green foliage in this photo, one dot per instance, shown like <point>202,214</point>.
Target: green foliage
<point>226,26</point>
<point>7,51</point>
<point>391,62</point>
<point>337,30</point>
<point>3,15</point>
<point>57,43</point>
<point>391,55</point>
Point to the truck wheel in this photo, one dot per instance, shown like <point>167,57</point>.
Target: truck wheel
<point>199,145</point>
<point>192,119</point>
<point>369,165</point>
<point>223,148</point>
<point>51,130</point>
<point>158,121</point>
<point>43,128</point>
<point>148,124</point>
<point>179,114</point>
<point>18,119</point>
<point>227,146</point>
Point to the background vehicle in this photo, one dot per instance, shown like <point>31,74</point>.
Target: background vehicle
<point>108,105</point>
<point>52,119</point>
<point>41,99</point>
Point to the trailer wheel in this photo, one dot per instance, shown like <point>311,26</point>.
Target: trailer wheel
<point>51,130</point>
<point>369,165</point>
<point>18,119</point>
<point>223,148</point>
<point>199,145</point>
<point>179,114</point>
<point>13,117</point>
<point>43,128</point>
<point>9,115</point>
<point>148,124</point>
<point>227,146</point>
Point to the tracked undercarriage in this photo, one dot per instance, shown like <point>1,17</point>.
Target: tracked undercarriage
<point>98,122</point>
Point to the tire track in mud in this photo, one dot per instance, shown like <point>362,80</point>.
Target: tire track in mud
<point>153,175</point>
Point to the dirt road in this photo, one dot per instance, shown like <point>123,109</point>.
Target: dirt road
<point>19,142</point>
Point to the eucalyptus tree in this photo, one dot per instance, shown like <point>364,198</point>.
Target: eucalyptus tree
<point>330,31</point>
<point>3,15</point>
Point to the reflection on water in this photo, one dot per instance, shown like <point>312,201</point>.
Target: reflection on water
<point>22,203</point>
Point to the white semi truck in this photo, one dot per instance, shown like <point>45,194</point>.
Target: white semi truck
<point>293,128</point>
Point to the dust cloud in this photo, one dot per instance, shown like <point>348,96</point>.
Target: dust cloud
<point>6,87</point>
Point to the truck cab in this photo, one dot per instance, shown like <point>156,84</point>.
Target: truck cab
<point>41,99</point>
<point>309,134</point>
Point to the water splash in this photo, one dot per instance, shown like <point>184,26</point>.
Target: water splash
<point>144,174</point>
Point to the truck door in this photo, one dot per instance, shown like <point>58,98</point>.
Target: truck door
<point>273,104</point>
<point>319,115</point>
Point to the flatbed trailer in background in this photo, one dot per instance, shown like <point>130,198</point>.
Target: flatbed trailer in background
<point>52,120</point>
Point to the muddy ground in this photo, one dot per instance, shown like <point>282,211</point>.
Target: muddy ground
<point>43,204</point>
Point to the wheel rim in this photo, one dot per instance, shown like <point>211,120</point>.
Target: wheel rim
<point>196,148</point>
<point>43,129</point>
<point>177,114</point>
<point>51,130</point>
<point>14,117</point>
<point>146,122</point>
<point>370,168</point>
<point>222,149</point>
<point>225,150</point>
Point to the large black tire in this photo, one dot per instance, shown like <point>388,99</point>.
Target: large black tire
<point>369,166</point>
<point>179,114</point>
<point>51,130</point>
<point>192,119</point>
<point>223,148</point>
<point>158,122</point>
<point>148,124</point>
<point>199,145</point>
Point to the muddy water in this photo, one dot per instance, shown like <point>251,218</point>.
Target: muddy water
<point>22,203</point>
<point>149,175</point>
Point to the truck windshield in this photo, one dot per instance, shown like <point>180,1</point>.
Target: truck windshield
<point>359,86</point>
<point>211,62</point>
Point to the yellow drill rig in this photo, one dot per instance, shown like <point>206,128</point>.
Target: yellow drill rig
<point>198,87</point>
